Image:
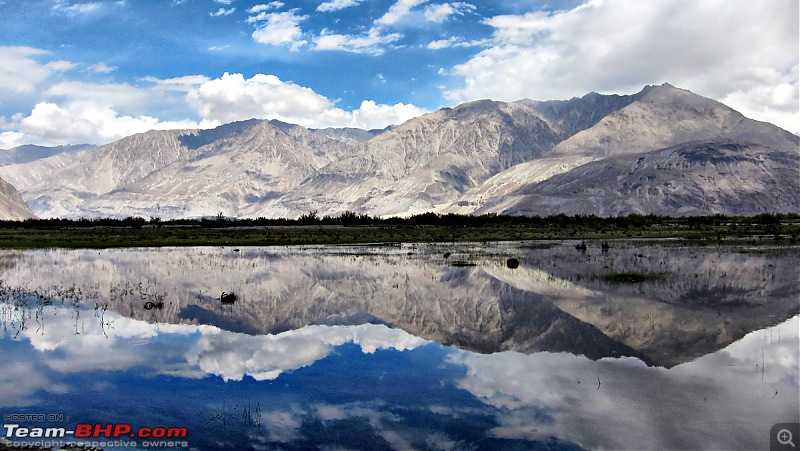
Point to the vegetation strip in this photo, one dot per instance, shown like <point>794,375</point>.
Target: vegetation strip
<point>350,228</point>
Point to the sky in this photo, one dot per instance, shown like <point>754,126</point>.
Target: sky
<point>93,71</point>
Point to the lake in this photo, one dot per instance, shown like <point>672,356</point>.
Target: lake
<point>514,345</point>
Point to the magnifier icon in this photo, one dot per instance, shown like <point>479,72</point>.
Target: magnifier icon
<point>785,437</point>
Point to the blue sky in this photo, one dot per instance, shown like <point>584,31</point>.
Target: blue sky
<point>96,70</point>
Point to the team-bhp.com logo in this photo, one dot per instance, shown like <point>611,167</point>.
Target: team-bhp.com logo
<point>85,432</point>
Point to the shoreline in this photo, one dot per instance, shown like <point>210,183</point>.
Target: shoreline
<point>168,236</point>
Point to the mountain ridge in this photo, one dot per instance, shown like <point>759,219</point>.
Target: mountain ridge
<point>477,157</point>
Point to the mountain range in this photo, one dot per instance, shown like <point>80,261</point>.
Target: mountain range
<point>663,150</point>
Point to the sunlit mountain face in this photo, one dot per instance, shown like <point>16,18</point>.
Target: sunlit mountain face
<point>408,348</point>
<point>663,150</point>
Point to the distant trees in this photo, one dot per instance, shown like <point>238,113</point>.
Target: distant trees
<point>766,221</point>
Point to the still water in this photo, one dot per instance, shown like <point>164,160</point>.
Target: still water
<point>440,346</point>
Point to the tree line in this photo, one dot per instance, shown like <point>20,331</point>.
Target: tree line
<point>350,218</point>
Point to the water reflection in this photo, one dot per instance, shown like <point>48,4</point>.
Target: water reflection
<point>347,385</point>
<point>346,347</point>
<point>557,300</point>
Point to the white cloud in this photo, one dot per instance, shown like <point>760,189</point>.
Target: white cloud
<point>20,381</point>
<point>441,12</point>
<point>224,2</point>
<point>371,115</point>
<point>279,29</point>
<point>72,112</point>
<point>80,112</point>
<point>398,10</point>
<point>336,5</point>
<point>102,68</point>
<point>265,7</point>
<point>61,66</point>
<point>53,124</point>
<point>371,42</point>
<point>443,43</point>
<point>182,84</point>
<point>455,41</point>
<point>20,73</point>
<point>116,95</point>
<point>564,386</point>
<point>232,97</point>
<point>232,356</point>
<point>77,8</point>
<point>222,12</point>
<point>744,53</point>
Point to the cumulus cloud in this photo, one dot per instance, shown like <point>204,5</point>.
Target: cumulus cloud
<point>441,12</point>
<point>279,28</point>
<point>232,356</point>
<point>336,5</point>
<point>371,115</point>
<point>83,122</point>
<point>71,112</point>
<point>735,52</point>
<point>62,112</point>
<point>265,7</point>
<point>232,98</point>
<point>97,113</point>
<point>222,12</point>
<point>398,11</point>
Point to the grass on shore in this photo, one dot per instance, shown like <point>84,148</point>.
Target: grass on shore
<point>156,236</point>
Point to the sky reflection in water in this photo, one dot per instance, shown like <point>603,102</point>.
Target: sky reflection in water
<point>340,378</point>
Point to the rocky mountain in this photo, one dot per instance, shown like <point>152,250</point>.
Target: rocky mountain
<point>663,116</point>
<point>576,114</point>
<point>257,161</point>
<point>34,171</point>
<point>29,153</point>
<point>656,118</point>
<point>426,162</point>
<point>695,178</point>
<point>583,155</point>
<point>12,207</point>
<point>185,173</point>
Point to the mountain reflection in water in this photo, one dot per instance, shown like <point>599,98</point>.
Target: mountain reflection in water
<point>347,346</point>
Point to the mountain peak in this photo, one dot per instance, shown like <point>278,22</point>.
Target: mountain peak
<point>664,89</point>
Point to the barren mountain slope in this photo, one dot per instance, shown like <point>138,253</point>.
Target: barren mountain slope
<point>231,170</point>
<point>659,117</point>
<point>424,163</point>
<point>12,207</point>
<point>717,177</point>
